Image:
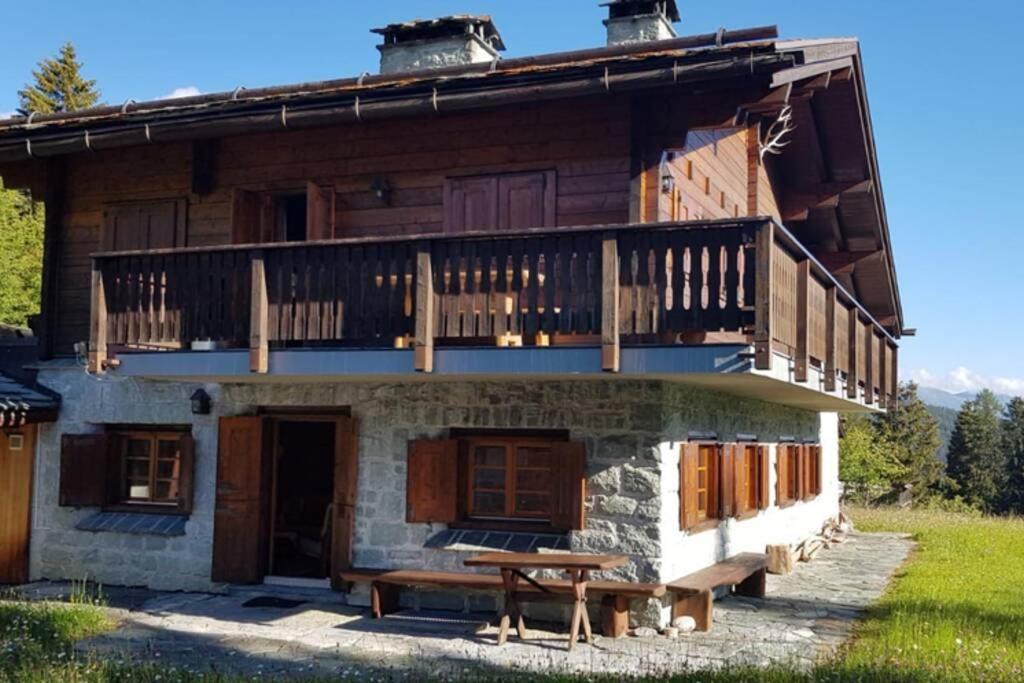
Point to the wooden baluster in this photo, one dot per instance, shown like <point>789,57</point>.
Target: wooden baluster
<point>626,247</point>
<point>501,288</point>
<point>831,339</point>
<point>564,292</point>
<point>803,320</point>
<point>519,298</point>
<point>713,313</point>
<point>852,375</point>
<point>659,314</point>
<point>677,316</point>
<point>423,353</point>
<point>259,348</point>
<point>549,322</point>
<point>314,296</point>
<point>731,312</point>
<point>610,352</point>
<point>533,250</point>
<point>98,321</point>
<point>763,297</point>
<point>485,298</point>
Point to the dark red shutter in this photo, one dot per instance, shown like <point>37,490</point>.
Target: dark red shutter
<point>245,217</point>
<point>726,482</point>
<point>739,478</point>
<point>432,481</point>
<point>471,204</point>
<point>83,470</point>
<point>526,200</point>
<point>570,485</point>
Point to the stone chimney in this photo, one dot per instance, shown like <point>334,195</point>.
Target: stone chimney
<point>640,21</point>
<point>436,43</point>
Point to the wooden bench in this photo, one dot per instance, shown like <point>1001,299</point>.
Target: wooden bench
<point>694,594</point>
<point>385,589</point>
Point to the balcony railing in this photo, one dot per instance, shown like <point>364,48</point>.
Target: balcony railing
<point>667,283</point>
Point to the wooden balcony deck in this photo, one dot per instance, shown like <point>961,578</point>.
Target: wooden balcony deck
<point>743,282</point>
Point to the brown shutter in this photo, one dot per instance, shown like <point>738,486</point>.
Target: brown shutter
<point>781,473</point>
<point>319,212</point>
<point>83,470</point>
<point>726,481</point>
<point>239,520</point>
<point>164,224</point>
<point>187,458</point>
<point>815,470</point>
<point>526,200</point>
<point>122,228</point>
<point>432,481</point>
<point>346,477</point>
<point>762,477</point>
<point>245,217</point>
<point>739,478</point>
<point>471,204</point>
<point>569,485</point>
<point>805,472</point>
<point>688,459</point>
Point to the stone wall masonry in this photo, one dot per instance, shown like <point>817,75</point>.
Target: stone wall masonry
<point>631,430</point>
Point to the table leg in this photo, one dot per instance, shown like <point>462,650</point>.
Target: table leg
<point>510,580</point>
<point>579,609</point>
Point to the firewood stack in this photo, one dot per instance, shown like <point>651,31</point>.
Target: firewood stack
<point>782,558</point>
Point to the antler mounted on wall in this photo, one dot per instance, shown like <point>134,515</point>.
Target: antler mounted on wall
<point>774,142</point>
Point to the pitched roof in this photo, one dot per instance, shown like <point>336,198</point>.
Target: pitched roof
<point>20,403</point>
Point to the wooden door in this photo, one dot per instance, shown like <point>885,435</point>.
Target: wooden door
<point>144,225</point>
<point>526,200</point>
<point>17,447</point>
<point>346,473</point>
<point>242,507</point>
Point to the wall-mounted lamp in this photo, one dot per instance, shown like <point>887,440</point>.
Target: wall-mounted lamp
<point>200,402</point>
<point>668,183</point>
<point>382,188</point>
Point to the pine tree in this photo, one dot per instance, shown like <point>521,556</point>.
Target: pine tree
<point>58,86</point>
<point>1013,446</point>
<point>977,463</point>
<point>912,434</point>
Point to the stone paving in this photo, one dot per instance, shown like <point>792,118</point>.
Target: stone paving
<point>804,617</point>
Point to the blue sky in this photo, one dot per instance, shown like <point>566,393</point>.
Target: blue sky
<point>944,82</point>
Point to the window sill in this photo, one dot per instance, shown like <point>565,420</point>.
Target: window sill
<point>747,515</point>
<point>506,525</point>
<point>145,509</point>
<point>786,504</point>
<point>489,540</point>
<point>135,522</point>
<point>706,525</point>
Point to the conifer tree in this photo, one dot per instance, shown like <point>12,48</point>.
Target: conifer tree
<point>912,434</point>
<point>21,256</point>
<point>977,463</point>
<point>58,86</point>
<point>1013,446</point>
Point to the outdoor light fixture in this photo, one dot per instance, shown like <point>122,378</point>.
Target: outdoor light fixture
<point>200,402</point>
<point>382,188</point>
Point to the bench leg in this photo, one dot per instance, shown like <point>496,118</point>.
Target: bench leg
<point>384,599</point>
<point>754,585</point>
<point>614,616</point>
<point>696,605</point>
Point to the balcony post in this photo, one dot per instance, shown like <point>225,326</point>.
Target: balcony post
<point>610,351</point>
<point>851,339</point>
<point>830,339</point>
<point>883,373</point>
<point>803,321</point>
<point>869,364</point>
<point>894,396</point>
<point>98,322</point>
<point>423,346</point>
<point>259,347</point>
<point>763,297</point>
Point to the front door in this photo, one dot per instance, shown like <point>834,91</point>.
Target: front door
<point>285,497</point>
<point>17,447</point>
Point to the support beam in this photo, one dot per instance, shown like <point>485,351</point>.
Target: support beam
<point>610,352</point>
<point>763,258</point>
<point>423,346</point>
<point>852,377</point>
<point>894,397</point>
<point>843,262</point>
<point>831,339</point>
<point>803,320</point>
<point>869,365</point>
<point>98,323</point>
<point>883,374</point>
<point>259,344</point>
<point>796,206</point>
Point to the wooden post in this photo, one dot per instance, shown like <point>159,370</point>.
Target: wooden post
<point>259,349</point>
<point>831,338</point>
<point>98,322</point>
<point>763,297</point>
<point>803,319</point>
<point>423,353</point>
<point>780,559</point>
<point>610,352</point>
<point>894,397</point>
<point>883,375</point>
<point>869,365</point>
<point>851,339</point>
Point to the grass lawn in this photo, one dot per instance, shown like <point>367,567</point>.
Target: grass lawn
<point>956,613</point>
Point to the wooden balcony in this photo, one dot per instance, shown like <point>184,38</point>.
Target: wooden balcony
<point>746,283</point>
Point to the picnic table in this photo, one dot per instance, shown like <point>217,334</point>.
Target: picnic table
<point>513,567</point>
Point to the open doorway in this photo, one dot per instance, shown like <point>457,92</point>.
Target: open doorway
<point>302,506</point>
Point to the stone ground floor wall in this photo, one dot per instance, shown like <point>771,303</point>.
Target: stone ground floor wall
<point>632,431</point>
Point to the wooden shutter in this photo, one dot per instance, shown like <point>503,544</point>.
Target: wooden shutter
<point>526,200</point>
<point>471,204</point>
<point>239,528</point>
<point>432,481</point>
<point>144,225</point>
<point>804,473</point>
<point>83,470</point>
<point>689,458</point>
<point>246,214</point>
<point>739,478</point>
<point>781,473</point>
<point>726,481</point>
<point>569,479</point>
<point>762,477</point>
<point>186,472</point>
<point>319,212</point>
<point>122,228</point>
<point>346,478</point>
<point>814,458</point>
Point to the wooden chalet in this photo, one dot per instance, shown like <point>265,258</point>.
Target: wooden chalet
<point>465,303</point>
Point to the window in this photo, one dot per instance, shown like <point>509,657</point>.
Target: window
<point>717,481</point>
<point>150,468</point>
<point>290,218</point>
<point>135,469</point>
<point>509,479</point>
<point>699,477</point>
<point>283,216</point>
<point>799,473</point>
<point>497,481</point>
<point>812,471</point>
